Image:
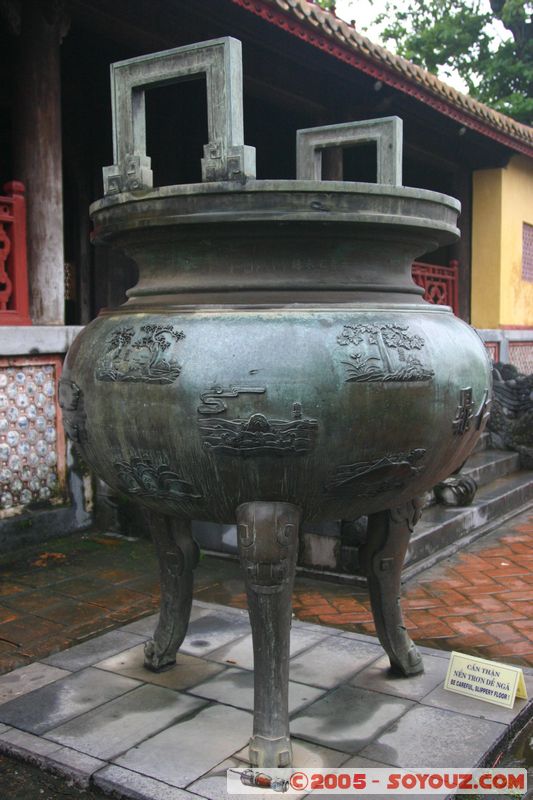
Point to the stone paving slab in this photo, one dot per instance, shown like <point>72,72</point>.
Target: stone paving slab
<point>26,679</point>
<point>440,698</point>
<point>359,637</point>
<point>50,755</point>
<point>46,708</point>
<point>212,631</point>
<point>124,782</point>
<point>328,723</point>
<point>22,743</point>
<point>172,736</point>
<point>189,670</point>
<point>312,627</point>
<point>305,754</point>
<point>235,687</point>
<point>181,754</point>
<point>213,785</point>
<point>379,678</point>
<point>333,661</point>
<point>240,653</point>
<point>144,627</point>
<point>88,653</point>
<point>433,737</point>
<point>117,726</point>
<point>366,763</point>
<point>77,766</point>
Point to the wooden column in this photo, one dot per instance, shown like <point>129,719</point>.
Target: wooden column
<point>37,153</point>
<point>462,250</point>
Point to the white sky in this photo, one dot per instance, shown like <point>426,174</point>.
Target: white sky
<point>364,11</point>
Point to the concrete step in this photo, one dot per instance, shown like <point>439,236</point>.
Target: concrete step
<point>483,443</point>
<point>324,553</point>
<point>486,466</point>
<point>442,531</point>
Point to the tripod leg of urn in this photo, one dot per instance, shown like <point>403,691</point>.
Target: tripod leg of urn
<point>178,555</point>
<point>382,558</point>
<point>268,545</point>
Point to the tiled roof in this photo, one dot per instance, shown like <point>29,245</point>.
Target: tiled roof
<point>349,39</point>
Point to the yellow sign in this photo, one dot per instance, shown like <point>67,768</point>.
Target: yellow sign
<point>485,680</point>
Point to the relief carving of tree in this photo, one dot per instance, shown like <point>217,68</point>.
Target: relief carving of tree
<point>386,337</point>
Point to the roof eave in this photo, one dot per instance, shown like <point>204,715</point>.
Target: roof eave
<point>324,41</point>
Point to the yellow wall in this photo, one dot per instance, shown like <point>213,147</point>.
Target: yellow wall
<point>486,248</point>
<point>502,202</point>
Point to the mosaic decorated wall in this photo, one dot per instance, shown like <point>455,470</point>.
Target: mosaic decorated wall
<point>32,445</point>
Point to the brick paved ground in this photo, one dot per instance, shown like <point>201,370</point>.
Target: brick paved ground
<point>479,601</point>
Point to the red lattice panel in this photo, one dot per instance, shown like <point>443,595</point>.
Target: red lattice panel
<point>521,355</point>
<point>493,349</point>
<point>14,300</point>
<point>440,284</point>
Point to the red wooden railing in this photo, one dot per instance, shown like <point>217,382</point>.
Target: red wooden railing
<point>440,284</point>
<point>14,300</point>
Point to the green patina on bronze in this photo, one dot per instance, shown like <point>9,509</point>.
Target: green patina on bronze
<point>314,349</point>
<point>274,364</point>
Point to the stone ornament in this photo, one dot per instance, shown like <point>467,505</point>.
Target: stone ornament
<point>511,421</point>
<point>457,490</point>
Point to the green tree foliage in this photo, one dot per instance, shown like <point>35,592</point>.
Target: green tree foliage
<point>463,36</point>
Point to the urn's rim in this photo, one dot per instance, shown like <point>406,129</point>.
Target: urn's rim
<point>215,309</point>
<point>338,207</point>
<point>270,187</point>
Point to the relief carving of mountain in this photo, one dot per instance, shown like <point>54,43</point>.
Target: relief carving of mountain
<point>258,436</point>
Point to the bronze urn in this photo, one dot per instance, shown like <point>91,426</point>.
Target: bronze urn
<point>274,363</point>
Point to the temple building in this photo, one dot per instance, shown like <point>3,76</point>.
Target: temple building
<point>303,67</point>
